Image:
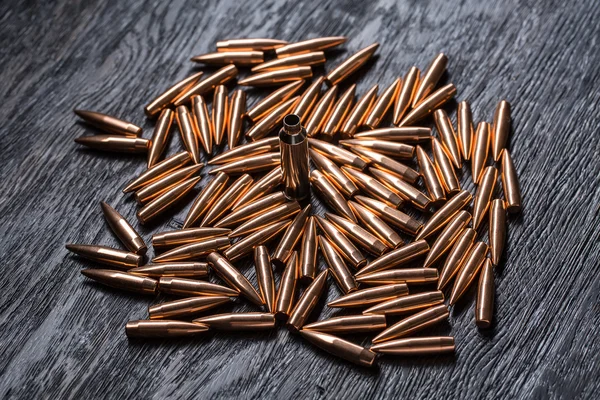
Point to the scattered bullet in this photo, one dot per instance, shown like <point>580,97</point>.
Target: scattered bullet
<point>310,45</point>
<point>421,346</point>
<point>330,194</point>
<point>321,112</point>
<point>391,215</point>
<point>430,79</point>
<point>187,235</point>
<point>252,321</point>
<point>349,324</point>
<point>484,309</point>
<point>205,200</point>
<point>109,124</point>
<point>159,170</point>
<point>358,235</point>
<point>430,178</point>
<point>291,237</point>
<point>191,287</point>
<point>500,129</point>
<point>123,229</point>
<point>307,303</point>
<point>107,255</point>
<point>337,154</point>
<point>194,250</point>
<point>296,60</point>
<point>410,134</point>
<point>383,105</point>
<point>220,112</point>
<point>402,188</point>
<point>204,127</point>
<point>247,244</point>
<point>340,111</point>
<point>165,200</point>
<point>122,280</point>
<point>334,173</point>
<point>277,77</point>
<point>252,209</point>
<point>379,228</point>
<point>396,258</point>
<point>465,129</point>
<point>235,122</point>
<point>510,184</point>
<point>342,244</point>
<point>287,289</point>
<point>388,164</point>
<point>168,97</point>
<point>414,323</point>
<point>162,329</point>
<point>175,269</point>
<point>119,144</point>
<point>249,164</point>
<point>239,58</point>
<point>373,187</point>
<point>340,272</point>
<point>359,113</point>
<point>272,101</point>
<point>484,194</point>
<point>448,136</point>
<point>250,44</point>
<point>233,277</point>
<point>457,256</point>
<point>261,187</point>
<point>447,237</point>
<point>390,276</point>
<point>308,100</point>
<point>442,216</point>
<point>246,150</point>
<point>160,136</point>
<point>350,65</point>
<point>275,214</point>
<point>340,348</point>
<point>394,149</point>
<point>224,202</point>
<point>444,168</point>
<point>308,252</point>
<point>407,304</point>
<point>497,230</point>
<point>188,133</point>
<point>271,120</point>
<point>207,84</point>
<point>469,271</point>
<point>264,276</point>
<point>481,145</point>
<point>185,308</point>
<point>407,93</point>
<point>370,296</point>
<point>429,104</point>
<point>160,186</point>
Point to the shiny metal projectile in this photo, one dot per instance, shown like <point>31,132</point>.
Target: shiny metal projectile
<point>194,250</point>
<point>165,200</point>
<point>429,104</point>
<point>165,183</point>
<point>414,323</point>
<point>500,129</point>
<point>337,154</point>
<point>188,133</point>
<point>464,122</point>
<point>431,77</point>
<point>394,149</point>
<point>162,329</point>
<point>239,58</point>
<point>383,104</point>
<point>159,170</point>
<point>122,280</point>
<point>407,93</point>
<point>235,123</point>
<point>107,255</point>
<point>271,120</point>
<point>391,215</point>
<point>484,309</point>
<point>370,296</point>
<point>233,277</point>
<point>119,144</point>
<point>510,184</point>
<point>297,60</point>
<point>167,98</point>
<point>252,321</point>
<point>497,230</point>
<point>342,275</point>
<point>408,275</point>
<point>249,243</point>
<point>407,304</point>
<point>185,308</point>
<point>420,346</point>
<point>108,123</point>
<point>349,324</point>
<point>203,125</point>
<point>373,187</point>
<point>249,164</point>
<point>359,113</point>
<point>379,228</point>
<point>481,146</point>
<point>469,270</point>
<point>308,252</point>
<point>358,234</point>
<point>261,187</point>
<point>447,237</point>
<point>340,348</point>
<point>402,188</point>
<point>396,257</point>
<point>330,194</point>
<point>321,112</point>
<point>220,112</point>
<point>287,289</point>
<point>291,237</point>
<point>161,133</point>
<point>441,217</point>
<point>431,178</point>
<point>246,150</point>
<point>308,100</point>
<point>252,209</point>
<point>457,256</point>
<point>277,77</point>
<point>176,269</point>
<point>269,103</point>
<point>340,111</point>
<point>191,287</point>
<point>275,214</point>
<point>207,84</point>
<point>250,44</point>
<point>350,65</point>
<point>342,244</point>
<point>310,45</point>
<point>123,229</point>
<point>444,168</point>
<point>307,302</point>
<point>407,134</point>
<point>445,129</point>
<point>484,194</point>
<point>334,173</point>
<point>388,164</point>
<point>293,146</point>
<point>226,200</point>
<point>264,276</point>
<point>205,200</point>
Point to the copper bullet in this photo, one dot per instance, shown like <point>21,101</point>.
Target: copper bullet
<point>204,126</point>
<point>457,256</point>
<point>308,100</point>
<point>396,258</point>
<point>510,184</point>
<point>107,255</point>
<point>500,129</point>
<point>340,348</point>
<point>307,302</point>
<point>175,269</point>
<point>271,120</point>
<point>194,250</point>
<point>465,129</point>
<point>469,270</point>
<point>341,243</point>
<point>160,186</point>
<point>389,214</point>
<point>220,112</point>
<point>429,104</point>
<point>250,44</point>
<point>291,237</point>
<point>445,129</point>
<point>122,280</point>
<point>342,275</point>
<point>233,277</point>
<point>205,200</point>
<point>388,164</point>
<point>373,187</point>
<point>119,144</point>
<point>269,103</point>
<point>350,65</point>
<point>296,60</point>
<point>308,252</point>
<point>497,230</point>
<point>164,167</point>
<point>445,213</point>
<point>188,133</point>
<point>414,323</point>
<point>275,214</point>
<point>383,105</point>
<point>431,77</point>
<point>235,123</point>
<point>337,154</point>
<point>108,123</point>
<point>293,146</point>
<point>321,112</point>
<point>407,92</point>
<point>370,296</point>
<point>484,194</point>
<point>246,150</point>
<point>165,200</point>
<point>251,321</point>
<point>162,329</point>
<point>165,99</point>
<point>379,228</point>
<point>480,151</point>
<point>330,194</point>
<point>358,234</point>
<point>394,149</point>
<point>123,229</point>
<point>207,84</point>
<point>239,58</point>
<point>277,77</point>
<point>160,136</point>
<point>185,308</point>
<point>406,134</point>
<point>191,287</point>
<point>484,310</point>
<point>418,346</point>
<point>444,168</point>
<point>431,178</point>
<point>261,187</point>
<point>226,200</point>
<point>334,173</point>
<point>264,276</point>
<point>310,45</point>
<point>447,237</point>
<point>247,244</point>
<point>408,275</point>
<point>359,113</point>
<point>407,304</point>
<point>402,188</point>
<point>287,289</point>
<point>349,324</point>
<point>249,164</point>
<point>340,111</point>
<point>252,209</point>
<point>187,235</point>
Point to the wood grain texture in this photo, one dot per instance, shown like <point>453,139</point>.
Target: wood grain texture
<point>63,336</point>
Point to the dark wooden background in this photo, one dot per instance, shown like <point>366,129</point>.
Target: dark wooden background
<point>63,336</point>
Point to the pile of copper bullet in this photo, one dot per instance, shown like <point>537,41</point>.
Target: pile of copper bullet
<point>398,232</point>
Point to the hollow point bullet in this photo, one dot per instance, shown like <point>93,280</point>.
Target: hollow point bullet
<point>351,65</point>
<point>406,94</point>
<point>340,348</point>
<point>192,287</point>
<point>291,237</point>
<point>500,129</point>
<point>271,120</point>
<point>247,244</point>
<point>359,113</point>
<point>444,168</point>
<point>308,252</point>
<point>469,270</point>
<point>235,119</point>
<point>370,296</point>
<point>296,60</point>
<point>226,200</point>
<point>122,280</point>
<point>108,123</point>
<point>175,269</point>
<point>157,171</point>
<point>203,125</point>
<point>252,209</point>
<point>220,112</point>
<point>255,163</point>
<point>379,228</point>
<point>497,230</point>
<point>457,256</point>
<point>257,147</point>
<point>330,194</point>
<point>205,200</point>
<point>402,188</point>
<point>234,277</point>
<point>339,270</point>
<point>160,136</point>
<point>373,187</point>
<point>293,146</point>
<point>250,44</point>
<point>119,144</point>
<point>287,289</point>
<point>429,104</point>
<point>239,58</point>
<point>396,258</point>
<point>405,134</point>
<point>341,243</point>
<point>510,184</point>
<point>123,229</point>
<point>383,105</point>
<point>279,213</point>
<point>184,308</point>
<point>165,200</point>
<point>337,154</point>
<point>445,129</point>
<point>483,196</point>
<point>414,323</point>
<point>389,148</point>
<point>251,321</point>
<point>264,276</point>
<point>388,164</point>
<point>464,122</point>
<point>160,186</point>
<point>167,97</point>
<point>419,346</point>
<point>484,309</point>
<point>309,45</point>
<point>358,234</point>
<point>431,77</point>
<point>269,103</point>
<point>430,178</point>
<point>307,303</point>
<point>107,255</point>
<point>445,213</point>
<point>186,235</point>
<point>321,112</point>
<point>188,133</point>
<point>277,77</point>
<point>162,329</point>
<point>407,304</point>
<point>207,84</point>
<point>349,324</point>
<point>447,237</point>
<point>339,112</point>
<point>192,251</point>
<point>261,187</point>
<point>480,151</point>
<point>334,173</point>
<point>391,215</point>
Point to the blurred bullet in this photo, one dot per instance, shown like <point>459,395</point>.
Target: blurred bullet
<point>271,120</point>
<point>251,321</point>
<point>342,275</point>
<point>277,77</point>
<point>484,194</point>
<point>414,323</point>
<point>234,277</point>
<point>247,244</point>
<point>349,324</point>
<point>159,170</point>
<point>341,243</point>
<point>457,256</point>
<point>310,45</point>
<point>160,186</point>
<point>408,275</point>
<point>445,129</point>
<point>204,126</point>
<point>469,270</point>
<point>123,229</point>
<point>359,113</point>
<point>162,329</point>
<point>162,129</point>
<point>444,168</point>
<point>119,144</point>
<point>351,64</point>
<point>416,346</point>
<point>166,99</point>
<point>321,113</point>
<point>275,214</point>
<point>500,129</point>
<point>166,200</point>
<point>308,252</point>
<point>188,133</point>
<point>497,230</point>
<point>407,92</point>
<point>287,289</point>
<point>261,187</point>
<point>388,164</point>
<point>396,258</point>
<point>205,200</point>
<point>226,200</point>
<point>330,194</point>
<point>337,154</point>
<point>407,304</point>
<point>264,276</point>
<point>383,104</point>
<point>296,60</point>
<point>307,302</point>
<point>358,234</point>
<point>370,296</point>
<point>220,112</point>
<point>394,149</point>
<point>379,228</point>
<point>252,209</point>
<point>207,84</point>
<point>239,58</point>
<point>108,123</point>
<point>441,217</point>
<point>340,111</point>
<point>407,134</point>
<point>191,287</point>
<point>291,237</point>
<point>185,308</point>
<point>480,151</point>
<point>484,310</point>
<point>122,280</point>
<point>447,237</point>
<point>373,187</point>
<point>257,147</point>
<point>431,179</point>
<point>402,188</point>
<point>249,44</point>
<point>269,103</point>
<point>334,173</point>
<point>235,123</point>
<point>429,104</point>
<point>510,184</point>
<point>340,348</point>
<point>391,215</point>
<point>194,250</point>
<point>465,129</point>
<point>107,255</point>
<point>431,77</point>
<point>175,269</point>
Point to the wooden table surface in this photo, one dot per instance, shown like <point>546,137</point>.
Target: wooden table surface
<point>63,335</point>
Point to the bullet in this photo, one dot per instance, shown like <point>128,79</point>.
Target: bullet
<point>388,164</point>
<point>308,100</point>
<point>500,129</point>
<point>429,104</point>
<point>162,329</point>
<point>341,243</point>
<point>291,237</point>
<point>406,134</point>
<point>457,256</point>
<point>188,133</point>
<point>419,346</point>
<point>359,113</point>
<point>464,121</point>
<point>350,65</point>
<point>370,296</point>
<point>445,129</point>
<point>396,258</point>
<point>337,154</point>
<point>358,235</point>
<point>166,98</point>
<point>235,123</point>
<point>251,321</point>
<point>220,112</point>
<point>307,302</point>
<point>469,270</point>
<point>383,105</point>
<point>123,229</point>
<point>247,244</point>
<point>287,289</point>
<point>159,170</point>
<point>340,348</point>
<point>269,103</point>
<point>207,84</point>
<point>379,228</point>
<point>447,237</point>
<point>226,200</point>
<point>160,136</point>
<point>118,144</point>
<point>277,77</point>
<point>431,178</point>
<point>203,125</point>
<point>330,194</point>
<point>233,277</point>
<point>239,58</point>
<point>402,188</point>
<point>339,270</point>
<point>407,93</point>
<point>185,308</point>
<point>271,120</point>
<point>444,168</point>
<point>194,250</point>
<point>445,213</point>
<point>191,287</point>
<point>205,200</point>
<point>497,230</point>
<point>275,214</point>
<point>108,123</point>
<point>264,276</point>
<point>333,173</point>
<point>122,280</point>
<point>175,269</point>
<point>431,77</point>
<point>308,252</point>
<point>185,236</point>
<point>340,111</point>
<point>394,149</point>
<point>249,44</point>
<point>261,187</point>
<point>106,255</point>
<point>407,304</point>
<point>321,113</point>
<point>408,275</point>
<point>257,147</point>
<point>480,151</point>
<point>349,324</point>
<point>373,187</point>
<point>296,60</point>
<point>160,186</point>
<point>484,194</point>
<point>252,209</point>
<point>165,200</point>
<point>484,310</point>
<point>294,158</point>
<point>510,184</point>
<point>414,323</point>
<point>310,45</point>
<point>390,215</point>
<point>249,164</point>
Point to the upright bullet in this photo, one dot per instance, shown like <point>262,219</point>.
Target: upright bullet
<point>307,302</point>
<point>191,287</point>
<point>457,256</point>
<point>252,321</point>
<point>383,105</point>
<point>340,111</point>
<point>340,348</point>
<point>484,194</point>
<point>188,133</point>
<point>165,200</point>
<point>207,84</point>
<point>429,104</point>
<point>264,276</point>
<point>484,309</point>
<point>252,209</point>
<point>447,237</point>
<point>370,296</point>
<point>465,129</point>
<point>291,237</point>
<point>510,184</point>
<point>396,258</point>
<point>122,280</point>
<point>407,304</point>
<point>419,346</point>
<point>358,115</point>
<point>469,270</point>
<point>175,269</point>
<point>277,77</point>
<point>106,255</point>
<point>205,200</point>
<point>448,136</point>
<point>334,173</point>
<point>373,187</point>
<point>293,146</point>
<point>233,277</point>
<point>431,77</point>
<point>497,230</point>
<point>204,126</point>
<point>123,229</point>
<point>391,215</point>
<point>275,214</point>
<point>321,113</point>
<point>500,129</point>
<point>341,243</point>
<point>162,329</point>
<point>445,213</point>
<point>226,200</point>
<point>261,187</point>
<point>250,44</point>
<point>414,323</point>
<point>166,98</point>
<point>269,103</point>
<point>306,46</point>
<point>194,250</point>
<point>431,178</point>
<point>408,275</point>
<point>308,252</point>
<point>480,151</point>
<point>160,136</point>
<point>350,65</point>
<point>271,120</point>
<point>239,58</point>
<point>358,235</point>
<point>257,147</point>
<point>287,289</point>
<point>407,93</point>
<point>297,60</point>
<point>402,188</point>
<point>349,324</point>
<point>235,123</point>
<point>342,275</point>
<point>394,149</point>
<point>444,168</point>
<point>118,144</point>
<point>159,170</point>
<point>379,228</point>
<point>185,308</point>
<point>247,244</point>
<point>220,112</point>
<point>405,134</point>
<point>330,194</point>
<point>337,154</point>
<point>108,123</point>
<point>160,186</point>
<point>388,164</point>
